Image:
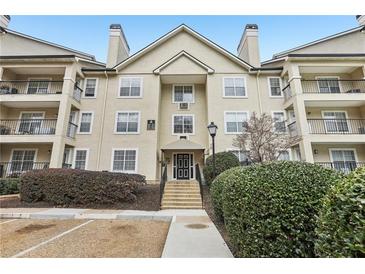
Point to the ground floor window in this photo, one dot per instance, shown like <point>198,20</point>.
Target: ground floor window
<point>125,160</point>
<point>284,156</point>
<point>242,155</point>
<point>22,160</point>
<point>81,156</point>
<point>343,159</point>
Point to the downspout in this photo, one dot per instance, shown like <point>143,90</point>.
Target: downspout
<point>102,122</point>
<point>258,92</point>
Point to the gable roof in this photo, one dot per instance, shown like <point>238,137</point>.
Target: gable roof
<point>172,33</point>
<point>177,56</point>
<point>278,56</point>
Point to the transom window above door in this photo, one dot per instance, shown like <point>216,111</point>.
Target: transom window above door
<point>183,94</point>
<point>127,122</point>
<point>328,84</point>
<point>234,87</point>
<point>130,87</point>
<point>183,124</point>
<point>38,86</point>
<point>233,121</point>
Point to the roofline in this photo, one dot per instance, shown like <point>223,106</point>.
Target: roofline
<point>283,53</point>
<point>328,55</point>
<point>183,52</point>
<point>267,68</point>
<point>97,70</point>
<point>92,57</point>
<point>170,33</point>
<point>35,56</point>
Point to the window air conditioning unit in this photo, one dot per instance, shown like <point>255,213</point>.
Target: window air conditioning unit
<point>184,106</point>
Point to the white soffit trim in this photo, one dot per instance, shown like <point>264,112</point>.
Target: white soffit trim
<point>173,33</point>
<point>177,56</point>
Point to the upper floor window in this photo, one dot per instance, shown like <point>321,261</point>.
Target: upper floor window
<point>90,87</point>
<point>127,122</point>
<point>38,86</point>
<point>234,120</point>
<point>328,84</point>
<point>284,155</point>
<point>81,156</point>
<point>125,160</point>
<point>130,87</point>
<point>279,121</point>
<point>275,86</point>
<point>85,125</point>
<point>183,124</point>
<point>183,94</point>
<point>234,87</point>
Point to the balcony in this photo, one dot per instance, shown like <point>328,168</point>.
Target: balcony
<point>19,87</point>
<point>28,126</point>
<point>336,126</point>
<point>77,93</point>
<point>71,130</point>
<point>292,129</point>
<point>343,166</point>
<point>16,168</point>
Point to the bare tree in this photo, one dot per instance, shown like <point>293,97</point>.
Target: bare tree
<point>264,139</point>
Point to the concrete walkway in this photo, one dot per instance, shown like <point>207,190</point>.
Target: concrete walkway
<point>191,234</point>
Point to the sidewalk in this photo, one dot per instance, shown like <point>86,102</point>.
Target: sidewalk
<point>191,234</point>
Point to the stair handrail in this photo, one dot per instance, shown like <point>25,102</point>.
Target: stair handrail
<point>163,181</point>
<point>199,179</point>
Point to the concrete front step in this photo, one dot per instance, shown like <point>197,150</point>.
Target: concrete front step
<point>181,207</point>
<point>182,203</point>
<point>181,195</point>
<point>167,201</point>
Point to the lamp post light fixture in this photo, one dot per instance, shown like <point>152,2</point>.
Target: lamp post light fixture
<point>212,128</point>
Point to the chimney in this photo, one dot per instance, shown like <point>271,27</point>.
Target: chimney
<point>361,19</point>
<point>4,21</point>
<point>248,48</point>
<point>118,49</point>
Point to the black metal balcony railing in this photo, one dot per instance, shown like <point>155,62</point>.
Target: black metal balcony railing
<point>287,92</point>
<point>66,165</point>
<point>71,130</point>
<point>344,166</point>
<point>16,168</point>
<point>28,126</point>
<point>333,86</point>
<point>292,129</point>
<point>77,93</point>
<point>15,87</point>
<point>336,126</point>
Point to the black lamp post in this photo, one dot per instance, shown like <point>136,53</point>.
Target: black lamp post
<point>212,128</point>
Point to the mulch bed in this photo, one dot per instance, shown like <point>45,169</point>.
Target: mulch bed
<point>148,198</point>
<point>208,206</point>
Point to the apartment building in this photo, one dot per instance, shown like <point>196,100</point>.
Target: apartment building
<point>62,108</point>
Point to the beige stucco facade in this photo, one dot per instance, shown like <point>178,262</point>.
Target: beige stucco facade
<point>182,57</point>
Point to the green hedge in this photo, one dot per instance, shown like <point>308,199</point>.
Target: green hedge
<point>223,161</point>
<point>270,209</point>
<point>9,186</point>
<point>341,226</point>
<point>78,187</point>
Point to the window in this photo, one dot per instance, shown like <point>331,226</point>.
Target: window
<point>279,121</point>
<point>234,87</point>
<point>343,159</point>
<point>234,121</point>
<point>328,85</point>
<point>275,86</point>
<point>241,155</point>
<point>22,160</point>
<point>30,123</point>
<point>183,94</point>
<point>90,88</point>
<point>130,87</point>
<point>125,160</point>
<point>81,156</point>
<point>127,122</point>
<point>183,124</point>
<point>284,156</point>
<point>335,121</point>
<point>38,86</point>
<point>86,120</point>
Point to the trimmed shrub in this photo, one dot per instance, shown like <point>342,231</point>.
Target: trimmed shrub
<point>341,224</point>
<point>78,187</point>
<point>223,161</point>
<point>270,209</point>
<point>9,186</point>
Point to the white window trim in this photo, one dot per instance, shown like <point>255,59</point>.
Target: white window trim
<point>86,160</point>
<point>348,149</point>
<point>129,77</point>
<point>8,169</point>
<point>182,134</point>
<point>173,93</point>
<point>342,111</point>
<point>172,165</point>
<point>39,78</point>
<point>235,77</point>
<point>127,111</point>
<point>96,87</point>
<point>124,171</point>
<point>91,124</point>
<point>225,123</point>
<point>281,87</point>
<point>326,77</point>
